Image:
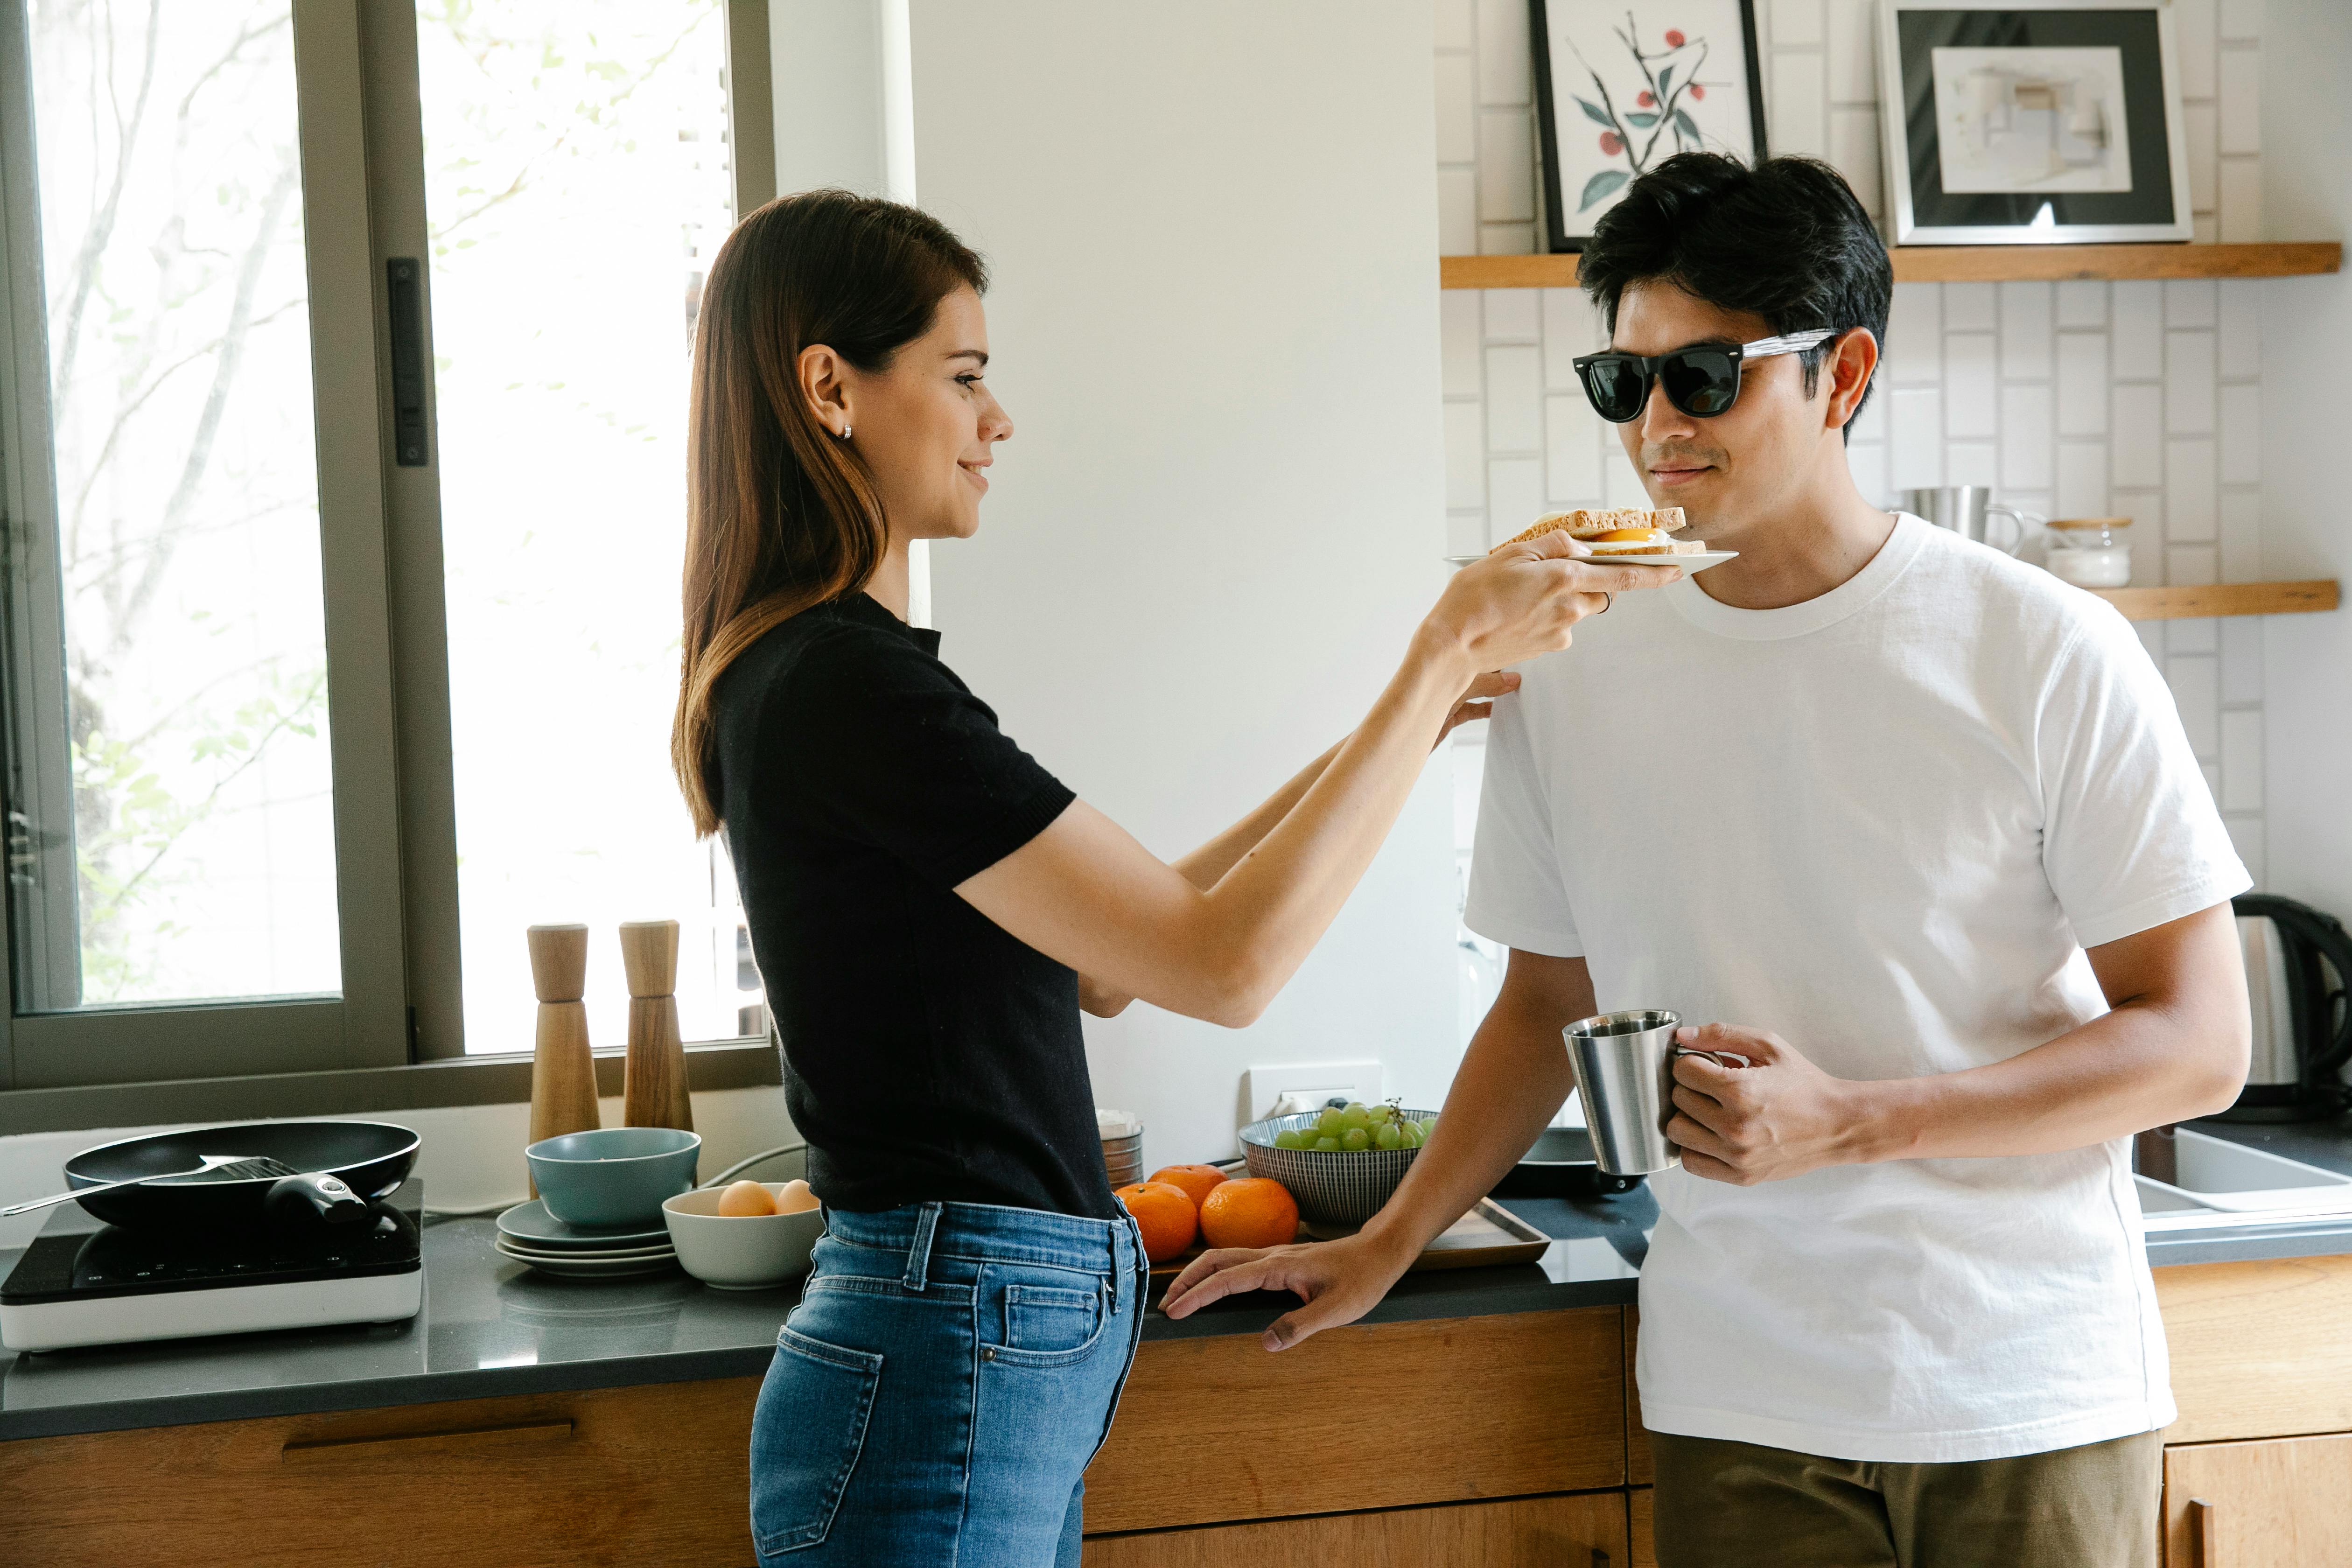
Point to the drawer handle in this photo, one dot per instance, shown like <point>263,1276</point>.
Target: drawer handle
<point>484,1440</point>
<point>2204,1533</point>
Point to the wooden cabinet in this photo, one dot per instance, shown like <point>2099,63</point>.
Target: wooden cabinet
<point>1214,1430</point>
<point>2279,1503</point>
<point>2259,1349</point>
<point>1523,1533</point>
<point>1643,1516</point>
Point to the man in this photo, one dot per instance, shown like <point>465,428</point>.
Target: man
<point>1917,825</point>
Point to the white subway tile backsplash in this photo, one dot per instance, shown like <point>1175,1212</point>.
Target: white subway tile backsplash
<point>1915,417</point>
<point>1458,110</point>
<point>2241,21</point>
<point>1867,462</point>
<point>2241,434</point>
<point>1455,29</point>
<point>2201,124</point>
<point>1459,349</point>
<point>2082,302</point>
<point>1515,495</point>
<point>1796,22</point>
<point>1971,463</point>
<point>2191,566</point>
<point>1505,62</point>
<point>2193,634</point>
<point>1465,533</point>
<point>2136,437</point>
<point>1506,238</point>
<point>2248,836</point>
<point>1457,212</point>
<point>2241,760</point>
<point>2242,658</point>
<point>1466,456</point>
<point>2197,692</point>
<point>2026,322</point>
<point>2138,331</point>
<point>2191,302</point>
<point>2238,338</point>
<point>1513,399</point>
<point>2192,496</point>
<point>1572,451</point>
<point>2241,201</point>
<point>1798,105</point>
<point>2082,383</point>
<point>1854,149</point>
<point>2212,772</point>
<point>2242,537</point>
<point>2189,384</point>
<point>2081,479</point>
<point>1915,334</point>
<point>1971,308</point>
<point>1970,406</point>
<point>1853,51</point>
<point>2205,228</point>
<point>1570,327</point>
<point>1513,315</point>
<point>2241,101</point>
<point>2146,508</point>
<point>1869,424</point>
<point>2025,441</point>
<point>1506,166</point>
<point>2199,39</point>
<point>1621,483</point>
<point>2151,637</point>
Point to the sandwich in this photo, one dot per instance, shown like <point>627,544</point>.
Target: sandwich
<point>1617,531</point>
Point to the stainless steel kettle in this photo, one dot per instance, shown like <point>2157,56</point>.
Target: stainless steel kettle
<point>2298,964</point>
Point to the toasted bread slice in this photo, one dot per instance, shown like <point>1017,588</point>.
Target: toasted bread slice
<point>1584,522</point>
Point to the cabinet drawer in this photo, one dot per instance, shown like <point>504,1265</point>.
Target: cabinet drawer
<point>1216,1429</point>
<point>2260,1349</point>
<point>641,1476</point>
<point>2283,1503</point>
<point>1524,1533</point>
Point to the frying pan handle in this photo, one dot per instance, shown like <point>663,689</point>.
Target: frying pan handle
<point>314,1195</point>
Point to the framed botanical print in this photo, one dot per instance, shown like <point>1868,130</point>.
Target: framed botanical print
<point>2031,122</point>
<point>1623,85</point>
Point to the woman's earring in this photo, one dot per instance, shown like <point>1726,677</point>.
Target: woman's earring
<point>844,432</point>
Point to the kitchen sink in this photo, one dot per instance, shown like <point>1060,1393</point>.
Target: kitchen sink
<point>2217,1183</point>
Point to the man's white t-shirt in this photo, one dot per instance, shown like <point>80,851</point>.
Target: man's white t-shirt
<point>1883,824</point>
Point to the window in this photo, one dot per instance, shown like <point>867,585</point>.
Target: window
<point>299,737</point>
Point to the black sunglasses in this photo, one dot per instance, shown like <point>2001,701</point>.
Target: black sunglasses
<point>1703,380</point>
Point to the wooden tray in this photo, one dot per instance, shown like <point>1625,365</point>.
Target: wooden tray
<point>1488,1235</point>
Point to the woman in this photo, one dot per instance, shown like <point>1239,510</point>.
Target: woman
<point>930,908</point>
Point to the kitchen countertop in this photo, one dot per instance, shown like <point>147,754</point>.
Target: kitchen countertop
<point>491,1327</point>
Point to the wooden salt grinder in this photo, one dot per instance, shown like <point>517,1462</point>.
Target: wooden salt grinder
<point>654,1091</point>
<point>563,1073</point>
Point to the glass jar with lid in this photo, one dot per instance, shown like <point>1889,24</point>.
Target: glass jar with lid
<point>2090,551</point>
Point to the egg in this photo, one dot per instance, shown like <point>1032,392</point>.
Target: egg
<point>796,1198</point>
<point>746,1198</point>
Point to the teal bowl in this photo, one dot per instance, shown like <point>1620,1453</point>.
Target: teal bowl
<point>614,1175</point>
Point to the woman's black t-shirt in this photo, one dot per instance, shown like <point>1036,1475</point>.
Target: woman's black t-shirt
<point>928,1054</point>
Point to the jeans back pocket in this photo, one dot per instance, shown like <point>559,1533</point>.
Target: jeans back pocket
<point>1051,1319</point>
<point>807,1431</point>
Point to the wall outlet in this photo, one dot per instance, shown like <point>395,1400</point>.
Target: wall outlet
<point>1314,1082</point>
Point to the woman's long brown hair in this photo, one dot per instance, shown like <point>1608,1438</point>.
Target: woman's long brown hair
<point>780,515</point>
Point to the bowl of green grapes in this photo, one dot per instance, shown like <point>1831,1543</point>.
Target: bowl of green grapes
<point>1341,1163</point>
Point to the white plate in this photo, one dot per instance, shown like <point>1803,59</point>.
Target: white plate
<point>1699,562</point>
<point>574,1268</point>
<point>614,1254</point>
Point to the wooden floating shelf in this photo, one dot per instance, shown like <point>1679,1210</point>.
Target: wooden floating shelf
<point>2222,599</point>
<point>1974,264</point>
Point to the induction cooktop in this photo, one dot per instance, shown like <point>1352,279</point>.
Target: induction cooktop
<point>82,1282</point>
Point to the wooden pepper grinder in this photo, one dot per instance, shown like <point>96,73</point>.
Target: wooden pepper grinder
<point>563,1073</point>
<point>654,1091</point>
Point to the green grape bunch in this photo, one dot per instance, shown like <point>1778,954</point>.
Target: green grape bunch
<point>1357,1126</point>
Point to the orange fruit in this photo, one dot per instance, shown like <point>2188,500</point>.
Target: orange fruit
<point>1167,1215</point>
<point>1256,1210</point>
<point>1196,1180</point>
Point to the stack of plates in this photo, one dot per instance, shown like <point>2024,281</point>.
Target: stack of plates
<point>528,1233</point>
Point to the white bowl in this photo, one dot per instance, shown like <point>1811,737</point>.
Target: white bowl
<point>741,1252</point>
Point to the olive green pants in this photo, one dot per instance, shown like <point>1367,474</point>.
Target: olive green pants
<point>1737,1505</point>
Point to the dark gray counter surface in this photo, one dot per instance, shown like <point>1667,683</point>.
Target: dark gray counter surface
<point>491,1327</point>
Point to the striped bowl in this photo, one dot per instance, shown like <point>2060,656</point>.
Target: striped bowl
<point>1333,1186</point>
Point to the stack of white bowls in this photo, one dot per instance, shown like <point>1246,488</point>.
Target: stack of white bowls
<point>1122,1145</point>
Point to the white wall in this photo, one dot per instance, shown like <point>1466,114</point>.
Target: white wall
<point>2308,522</point>
<point>1215,326</point>
<point>2079,399</point>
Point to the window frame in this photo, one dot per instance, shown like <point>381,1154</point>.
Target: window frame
<point>394,1036</point>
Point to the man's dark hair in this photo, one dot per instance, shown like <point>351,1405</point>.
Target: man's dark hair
<point>1785,240</point>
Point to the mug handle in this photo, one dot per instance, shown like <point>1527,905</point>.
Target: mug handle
<point>2025,522</point>
<point>1730,1060</point>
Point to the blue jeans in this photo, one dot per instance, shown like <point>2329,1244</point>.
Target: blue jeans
<point>939,1390</point>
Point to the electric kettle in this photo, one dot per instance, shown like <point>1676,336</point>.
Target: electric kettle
<point>2298,966</point>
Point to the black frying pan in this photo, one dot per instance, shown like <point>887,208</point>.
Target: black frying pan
<point>369,1158</point>
<point>1561,1166</point>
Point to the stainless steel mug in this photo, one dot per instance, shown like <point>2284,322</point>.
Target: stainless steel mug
<point>1969,511</point>
<point>1625,1066</point>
